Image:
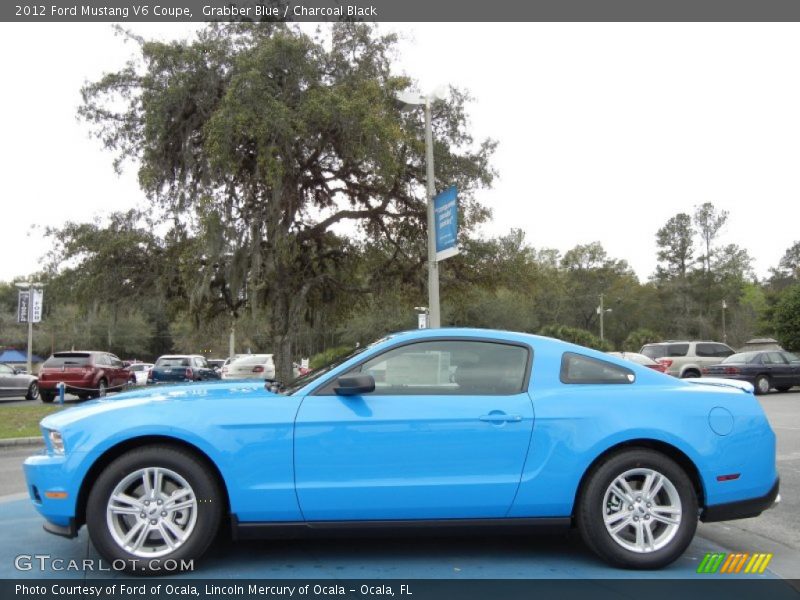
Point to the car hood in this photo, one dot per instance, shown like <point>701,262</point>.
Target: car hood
<point>139,398</point>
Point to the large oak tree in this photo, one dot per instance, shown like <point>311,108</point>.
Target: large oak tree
<point>267,141</point>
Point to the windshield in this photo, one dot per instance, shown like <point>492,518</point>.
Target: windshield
<point>68,360</point>
<point>743,357</point>
<point>173,361</point>
<point>253,359</point>
<point>304,380</point>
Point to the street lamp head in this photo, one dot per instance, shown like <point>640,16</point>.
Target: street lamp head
<point>421,309</point>
<point>409,99</point>
<point>26,285</point>
<point>438,93</point>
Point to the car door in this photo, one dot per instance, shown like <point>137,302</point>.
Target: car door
<point>7,383</point>
<point>120,373</point>
<point>444,434</point>
<point>200,367</point>
<point>794,368</point>
<point>779,368</point>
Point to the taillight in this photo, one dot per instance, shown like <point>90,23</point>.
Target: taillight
<point>258,369</point>
<point>705,370</point>
<point>150,374</point>
<point>224,370</point>
<point>732,370</point>
<point>665,361</point>
<point>189,374</point>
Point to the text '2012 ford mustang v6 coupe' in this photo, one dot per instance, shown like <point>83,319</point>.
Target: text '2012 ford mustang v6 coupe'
<point>433,428</point>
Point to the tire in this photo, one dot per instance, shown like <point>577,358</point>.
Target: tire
<point>33,391</point>
<point>627,548</point>
<point>181,471</point>
<point>102,389</point>
<point>690,374</point>
<point>762,384</point>
<point>46,397</point>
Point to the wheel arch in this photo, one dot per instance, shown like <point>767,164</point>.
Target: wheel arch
<point>114,452</point>
<point>664,448</point>
<point>691,368</point>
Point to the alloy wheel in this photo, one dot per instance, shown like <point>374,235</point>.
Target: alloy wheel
<point>642,510</point>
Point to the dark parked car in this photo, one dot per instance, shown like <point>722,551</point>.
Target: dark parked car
<point>88,374</point>
<point>175,368</point>
<point>14,383</point>
<point>765,370</point>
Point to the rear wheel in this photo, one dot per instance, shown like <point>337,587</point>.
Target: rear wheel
<point>33,391</point>
<point>47,397</point>
<point>690,374</point>
<point>102,389</point>
<point>763,384</point>
<point>638,510</point>
<point>155,502</point>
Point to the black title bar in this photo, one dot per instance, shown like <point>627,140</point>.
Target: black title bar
<point>400,10</point>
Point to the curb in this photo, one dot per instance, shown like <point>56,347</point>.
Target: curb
<point>23,441</point>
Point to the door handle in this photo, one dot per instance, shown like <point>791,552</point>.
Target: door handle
<point>500,418</point>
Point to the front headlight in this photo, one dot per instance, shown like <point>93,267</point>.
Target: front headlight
<point>56,441</point>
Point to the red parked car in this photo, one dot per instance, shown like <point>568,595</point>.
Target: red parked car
<point>88,374</point>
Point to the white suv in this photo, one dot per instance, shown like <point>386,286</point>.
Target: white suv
<point>686,359</point>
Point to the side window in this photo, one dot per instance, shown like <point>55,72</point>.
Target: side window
<point>6,370</point>
<point>115,362</point>
<point>705,349</point>
<point>775,358</point>
<point>102,360</point>
<point>723,351</point>
<point>677,350</point>
<point>200,362</point>
<point>447,367</point>
<point>576,368</point>
<point>713,350</point>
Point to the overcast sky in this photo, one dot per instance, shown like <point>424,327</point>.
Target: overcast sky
<point>605,130</point>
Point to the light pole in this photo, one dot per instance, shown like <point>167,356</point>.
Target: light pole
<point>30,286</point>
<point>724,332</point>
<point>410,99</point>
<point>602,311</point>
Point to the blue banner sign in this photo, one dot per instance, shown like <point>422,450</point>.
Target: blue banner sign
<point>445,206</point>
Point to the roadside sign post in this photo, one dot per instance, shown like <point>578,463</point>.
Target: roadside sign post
<point>29,310</point>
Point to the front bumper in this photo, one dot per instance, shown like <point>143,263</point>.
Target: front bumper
<point>742,509</point>
<point>52,492</point>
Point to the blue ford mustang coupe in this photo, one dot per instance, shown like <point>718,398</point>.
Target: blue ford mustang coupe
<point>446,428</point>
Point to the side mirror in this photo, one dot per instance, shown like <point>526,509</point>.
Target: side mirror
<point>354,385</point>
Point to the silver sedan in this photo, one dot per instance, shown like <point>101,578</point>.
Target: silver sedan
<point>15,384</point>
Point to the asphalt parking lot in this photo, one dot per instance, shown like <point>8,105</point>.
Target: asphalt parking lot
<point>558,556</point>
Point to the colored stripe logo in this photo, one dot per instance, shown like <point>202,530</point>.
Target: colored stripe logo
<point>738,562</point>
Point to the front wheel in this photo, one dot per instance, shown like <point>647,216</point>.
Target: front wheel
<point>33,391</point>
<point>638,510</point>
<point>153,504</point>
<point>763,384</point>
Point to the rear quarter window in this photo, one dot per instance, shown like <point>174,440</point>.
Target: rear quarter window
<point>576,368</point>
